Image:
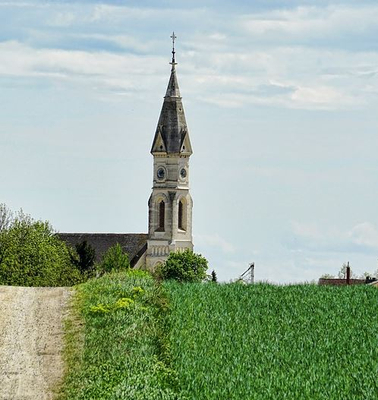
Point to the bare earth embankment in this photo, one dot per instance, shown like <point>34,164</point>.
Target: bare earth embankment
<point>31,341</point>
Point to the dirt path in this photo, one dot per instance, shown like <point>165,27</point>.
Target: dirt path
<point>31,341</point>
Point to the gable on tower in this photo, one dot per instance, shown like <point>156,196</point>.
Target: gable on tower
<point>158,145</point>
<point>186,147</point>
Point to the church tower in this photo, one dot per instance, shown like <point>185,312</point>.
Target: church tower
<point>170,204</point>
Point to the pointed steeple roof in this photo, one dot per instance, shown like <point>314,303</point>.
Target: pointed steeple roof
<point>172,134</point>
<point>173,87</point>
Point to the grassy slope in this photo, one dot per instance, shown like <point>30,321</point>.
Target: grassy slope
<point>222,341</point>
<point>119,353</point>
<point>268,342</point>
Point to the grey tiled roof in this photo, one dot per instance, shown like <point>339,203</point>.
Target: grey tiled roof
<point>172,123</point>
<point>134,244</point>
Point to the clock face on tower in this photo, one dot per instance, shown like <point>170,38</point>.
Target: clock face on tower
<point>183,173</point>
<point>160,173</point>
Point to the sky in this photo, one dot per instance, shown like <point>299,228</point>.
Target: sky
<point>281,102</point>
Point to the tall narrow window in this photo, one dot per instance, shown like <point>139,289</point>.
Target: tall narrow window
<point>181,215</point>
<point>161,215</point>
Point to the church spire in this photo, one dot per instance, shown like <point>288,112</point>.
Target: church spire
<point>172,134</point>
<point>173,88</point>
<point>170,204</point>
<point>173,37</point>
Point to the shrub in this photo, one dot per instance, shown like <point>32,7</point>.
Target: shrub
<point>84,257</point>
<point>115,259</point>
<point>184,267</point>
<point>32,255</point>
<point>213,276</point>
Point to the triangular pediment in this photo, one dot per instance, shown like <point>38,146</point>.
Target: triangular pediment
<point>158,145</point>
<point>186,147</point>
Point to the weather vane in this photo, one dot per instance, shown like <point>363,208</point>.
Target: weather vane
<point>173,37</point>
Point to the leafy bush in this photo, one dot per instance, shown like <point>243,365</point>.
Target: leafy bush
<point>115,259</point>
<point>84,257</point>
<point>32,255</point>
<point>184,267</point>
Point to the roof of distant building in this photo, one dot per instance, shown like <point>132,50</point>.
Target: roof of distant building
<point>134,244</point>
<point>340,282</point>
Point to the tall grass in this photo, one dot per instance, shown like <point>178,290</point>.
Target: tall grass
<point>268,342</point>
<point>116,346</point>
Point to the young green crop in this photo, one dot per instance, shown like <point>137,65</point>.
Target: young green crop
<point>274,342</point>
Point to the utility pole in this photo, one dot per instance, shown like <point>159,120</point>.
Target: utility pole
<point>249,274</point>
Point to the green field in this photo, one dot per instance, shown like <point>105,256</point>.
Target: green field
<point>145,340</point>
<point>274,342</point>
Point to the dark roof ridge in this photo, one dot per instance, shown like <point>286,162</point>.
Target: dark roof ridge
<point>101,233</point>
<point>131,243</point>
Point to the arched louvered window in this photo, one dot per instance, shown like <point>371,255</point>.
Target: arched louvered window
<point>162,215</point>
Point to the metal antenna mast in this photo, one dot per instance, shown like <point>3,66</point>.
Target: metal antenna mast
<point>249,274</point>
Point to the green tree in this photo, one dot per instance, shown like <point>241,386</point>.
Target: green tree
<point>184,267</point>
<point>115,259</point>
<point>6,217</point>
<point>32,255</point>
<point>369,275</point>
<point>84,257</point>
<point>327,276</point>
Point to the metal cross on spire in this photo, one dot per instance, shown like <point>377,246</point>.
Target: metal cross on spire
<point>173,37</point>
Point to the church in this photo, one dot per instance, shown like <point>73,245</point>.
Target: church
<point>170,204</point>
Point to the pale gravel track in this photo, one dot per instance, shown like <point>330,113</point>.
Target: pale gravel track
<point>31,341</point>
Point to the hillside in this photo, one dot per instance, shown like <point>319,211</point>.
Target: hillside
<point>209,341</point>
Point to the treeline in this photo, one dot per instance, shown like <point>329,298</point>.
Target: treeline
<point>31,254</point>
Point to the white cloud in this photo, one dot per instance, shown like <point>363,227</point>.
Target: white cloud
<point>364,234</point>
<point>309,230</point>
<point>215,241</point>
<point>116,13</point>
<point>123,41</point>
<point>362,238</point>
<point>23,4</point>
<point>225,66</point>
<point>62,19</point>
<point>312,22</point>
<point>322,97</point>
<point>308,98</point>
<point>290,77</point>
<point>96,69</point>
<point>124,72</point>
<point>217,36</point>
